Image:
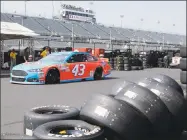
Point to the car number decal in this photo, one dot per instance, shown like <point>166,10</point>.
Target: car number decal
<point>79,69</point>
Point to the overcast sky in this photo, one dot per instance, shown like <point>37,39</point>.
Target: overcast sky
<point>108,12</point>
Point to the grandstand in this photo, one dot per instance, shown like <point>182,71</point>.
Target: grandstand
<point>85,34</point>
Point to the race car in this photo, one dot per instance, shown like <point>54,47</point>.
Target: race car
<point>61,67</point>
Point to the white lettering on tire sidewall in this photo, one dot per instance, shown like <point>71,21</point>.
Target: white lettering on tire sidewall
<point>29,132</point>
<point>92,132</point>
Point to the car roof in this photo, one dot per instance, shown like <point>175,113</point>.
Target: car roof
<point>68,53</point>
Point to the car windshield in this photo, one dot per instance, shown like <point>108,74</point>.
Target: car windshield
<point>54,58</point>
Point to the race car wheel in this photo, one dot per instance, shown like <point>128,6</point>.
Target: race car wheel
<point>146,102</point>
<point>44,114</point>
<point>164,79</point>
<point>98,74</point>
<point>174,101</point>
<point>16,136</point>
<point>69,130</point>
<point>118,117</point>
<point>53,77</point>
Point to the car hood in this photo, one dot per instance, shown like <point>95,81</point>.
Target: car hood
<point>33,65</point>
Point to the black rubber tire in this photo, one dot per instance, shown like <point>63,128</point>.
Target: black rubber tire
<point>127,65</point>
<point>127,68</point>
<point>120,68</point>
<point>34,117</point>
<point>140,67</point>
<point>183,64</point>
<point>150,106</point>
<point>183,77</point>
<point>16,136</point>
<point>120,65</point>
<point>183,52</point>
<point>164,79</point>
<point>174,101</point>
<point>98,74</point>
<point>118,117</point>
<point>52,77</point>
<point>43,131</point>
<point>118,87</point>
<point>126,60</point>
<point>184,136</point>
<point>134,67</point>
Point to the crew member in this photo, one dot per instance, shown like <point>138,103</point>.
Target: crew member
<point>13,56</point>
<point>26,54</point>
<point>166,61</point>
<point>30,58</point>
<point>45,52</point>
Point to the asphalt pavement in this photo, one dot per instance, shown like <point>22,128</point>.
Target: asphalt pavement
<point>16,99</point>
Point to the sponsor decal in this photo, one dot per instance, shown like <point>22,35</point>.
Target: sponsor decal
<point>64,67</point>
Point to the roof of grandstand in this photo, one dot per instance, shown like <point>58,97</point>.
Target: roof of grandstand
<point>51,27</point>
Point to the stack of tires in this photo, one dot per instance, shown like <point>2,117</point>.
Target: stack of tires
<point>129,52</point>
<point>127,63</point>
<point>137,63</point>
<point>183,65</point>
<point>160,62</point>
<point>151,108</point>
<point>144,61</point>
<point>120,63</point>
<point>112,62</point>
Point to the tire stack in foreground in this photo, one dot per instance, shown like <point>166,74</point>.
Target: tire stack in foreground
<point>183,65</point>
<point>152,108</point>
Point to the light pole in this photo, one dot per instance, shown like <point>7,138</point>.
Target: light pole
<point>162,34</point>
<point>26,7</point>
<point>111,40</point>
<point>15,16</point>
<point>52,9</point>
<point>72,35</point>
<point>121,16</point>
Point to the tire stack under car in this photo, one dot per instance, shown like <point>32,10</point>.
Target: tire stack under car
<point>183,65</point>
<point>152,108</point>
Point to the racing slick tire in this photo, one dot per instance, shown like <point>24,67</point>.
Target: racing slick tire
<point>164,79</point>
<point>184,136</point>
<point>82,130</point>
<point>183,64</point>
<point>134,67</point>
<point>127,68</point>
<point>183,52</point>
<point>53,77</point>
<point>174,101</point>
<point>149,105</point>
<point>40,115</point>
<point>98,74</point>
<point>126,60</point>
<point>16,136</point>
<point>183,77</point>
<point>118,87</point>
<point>140,67</point>
<point>117,117</point>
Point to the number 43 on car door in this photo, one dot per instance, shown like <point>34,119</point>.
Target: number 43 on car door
<point>79,70</point>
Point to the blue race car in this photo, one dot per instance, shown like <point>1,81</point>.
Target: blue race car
<point>61,67</point>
